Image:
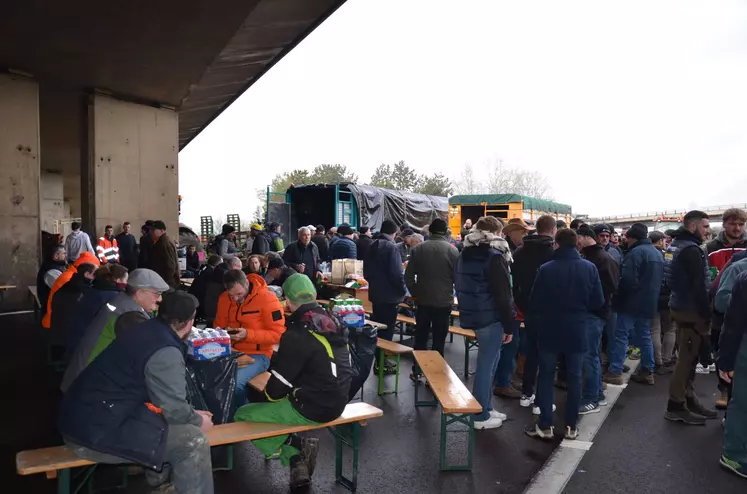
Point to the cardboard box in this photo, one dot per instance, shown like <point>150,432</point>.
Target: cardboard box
<point>343,267</point>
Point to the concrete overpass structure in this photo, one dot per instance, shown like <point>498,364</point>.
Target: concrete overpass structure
<point>97,98</point>
<point>654,218</point>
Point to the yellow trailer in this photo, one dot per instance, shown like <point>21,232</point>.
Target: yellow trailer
<point>504,206</point>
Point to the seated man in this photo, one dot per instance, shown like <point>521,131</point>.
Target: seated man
<point>249,307</point>
<point>130,404</point>
<point>278,272</point>
<point>309,382</point>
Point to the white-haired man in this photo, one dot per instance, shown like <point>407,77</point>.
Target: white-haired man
<point>303,255</point>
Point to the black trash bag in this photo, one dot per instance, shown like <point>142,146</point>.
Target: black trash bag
<point>211,384</point>
<point>362,355</point>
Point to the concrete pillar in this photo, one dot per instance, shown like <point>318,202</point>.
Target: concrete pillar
<point>19,186</point>
<point>132,170</point>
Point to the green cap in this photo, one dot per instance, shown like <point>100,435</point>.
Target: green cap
<point>299,289</point>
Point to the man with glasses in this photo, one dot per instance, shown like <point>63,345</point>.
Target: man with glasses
<point>137,304</point>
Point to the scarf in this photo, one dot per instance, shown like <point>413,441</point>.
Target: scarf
<point>478,237</point>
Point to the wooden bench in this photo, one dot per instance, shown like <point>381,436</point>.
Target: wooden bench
<point>390,348</point>
<point>470,343</point>
<point>57,462</point>
<point>457,403</point>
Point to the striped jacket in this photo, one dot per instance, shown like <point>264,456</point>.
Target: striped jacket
<point>107,250</point>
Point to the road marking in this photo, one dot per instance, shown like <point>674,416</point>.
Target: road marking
<point>562,464</point>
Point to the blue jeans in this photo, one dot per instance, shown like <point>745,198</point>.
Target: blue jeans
<point>638,330</point>
<point>507,362</point>
<point>246,374</point>
<point>529,342</point>
<point>609,334</point>
<point>488,354</point>
<point>592,362</point>
<point>546,389</point>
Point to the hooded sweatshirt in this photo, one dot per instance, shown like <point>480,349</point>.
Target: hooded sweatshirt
<point>85,258</point>
<point>529,256</point>
<point>76,244</point>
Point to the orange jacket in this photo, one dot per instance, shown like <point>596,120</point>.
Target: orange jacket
<point>84,258</point>
<point>108,250</point>
<point>261,314</point>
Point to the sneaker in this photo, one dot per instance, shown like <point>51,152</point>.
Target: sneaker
<point>695,407</point>
<point>699,369</point>
<point>736,467</point>
<point>415,377</point>
<point>525,400</point>
<point>635,354</point>
<point>602,401</point>
<point>491,423</point>
<point>536,410</point>
<point>571,434</point>
<point>533,430</point>
<point>626,369</point>
<point>507,392</point>
<point>299,474</point>
<point>712,368</point>
<point>309,451</point>
<point>643,376</point>
<point>685,416</point>
<point>589,408</point>
<point>498,415</point>
<point>613,378</point>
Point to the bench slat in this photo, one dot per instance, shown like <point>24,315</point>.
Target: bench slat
<point>406,319</point>
<point>446,386</point>
<point>61,457</point>
<point>467,333</point>
<point>392,347</point>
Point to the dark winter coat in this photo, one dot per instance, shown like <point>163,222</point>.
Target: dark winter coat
<point>609,275</point>
<point>343,248</point>
<point>531,254</point>
<point>641,274</point>
<point>382,268</point>
<point>164,261</point>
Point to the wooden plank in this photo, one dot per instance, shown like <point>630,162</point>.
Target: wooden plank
<point>259,382</point>
<point>455,313</point>
<point>186,281</point>
<point>61,457</point>
<point>446,386</point>
<point>392,347</point>
<point>406,319</point>
<point>467,333</point>
<point>7,287</point>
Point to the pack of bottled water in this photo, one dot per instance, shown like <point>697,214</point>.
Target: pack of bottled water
<point>208,343</point>
<point>350,310</point>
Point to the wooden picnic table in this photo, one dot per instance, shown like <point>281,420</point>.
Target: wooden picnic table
<point>359,293</point>
<point>187,282</point>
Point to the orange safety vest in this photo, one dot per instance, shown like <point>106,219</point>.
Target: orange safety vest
<point>107,250</point>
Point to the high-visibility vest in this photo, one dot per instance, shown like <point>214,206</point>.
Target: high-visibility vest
<point>107,250</point>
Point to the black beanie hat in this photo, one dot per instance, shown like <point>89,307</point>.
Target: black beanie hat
<point>438,227</point>
<point>586,231</point>
<point>388,227</point>
<point>228,229</point>
<point>637,231</point>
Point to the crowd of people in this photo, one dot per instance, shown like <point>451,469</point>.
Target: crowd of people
<point>551,306</point>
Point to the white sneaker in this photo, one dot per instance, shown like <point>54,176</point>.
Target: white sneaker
<point>699,369</point>
<point>712,368</point>
<point>491,423</point>
<point>525,400</point>
<point>536,410</point>
<point>498,415</point>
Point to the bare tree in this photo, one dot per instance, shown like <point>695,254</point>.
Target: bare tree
<point>466,183</point>
<point>507,180</point>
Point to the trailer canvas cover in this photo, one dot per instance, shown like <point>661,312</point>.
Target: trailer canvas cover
<point>376,205</point>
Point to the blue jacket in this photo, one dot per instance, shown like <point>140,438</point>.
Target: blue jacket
<point>735,326</point>
<point>641,274</point>
<point>383,271</point>
<point>566,291</point>
<point>94,298</point>
<point>343,248</point>
<point>614,252</point>
<point>483,288</point>
<point>686,271</point>
<point>726,284</point>
<point>105,407</point>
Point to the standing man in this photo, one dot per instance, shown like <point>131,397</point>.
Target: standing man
<point>731,238</point>
<point>344,247</point>
<point>321,242</point>
<point>303,255</point>
<point>566,292</point>
<point>224,243</point>
<point>609,275</point>
<point>637,302</point>
<point>50,270</point>
<point>483,287</point>
<point>663,333</point>
<point>535,251</point>
<point>430,279</point>
<point>732,365</point>
<point>687,276</point>
<point>146,242</point>
<point>77,243</point>
<point>261,244</point>
<point>604,235</point>
<point>382,268</point>
<point>130,405</point>
<point>515,231</point>
<point>128,251</point>
<point>364,242</point>
<point>163,259</point>
<point>107,248</point>
<point>248,306</point>
<point>276,237</point>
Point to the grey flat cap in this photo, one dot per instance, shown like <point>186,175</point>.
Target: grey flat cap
<point>147,279</point>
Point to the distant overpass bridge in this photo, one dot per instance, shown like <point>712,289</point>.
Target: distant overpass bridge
<point>654,218</point>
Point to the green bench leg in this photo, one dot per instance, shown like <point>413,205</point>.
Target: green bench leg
<point>457,418</point>
<point>424,403</point>
<point>469,344</point>
<point>229,460</point>
<point>63,481</point>
<point>381,390</point>
<point>352,442</point>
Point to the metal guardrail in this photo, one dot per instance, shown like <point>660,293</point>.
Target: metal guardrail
<point>675,212</point>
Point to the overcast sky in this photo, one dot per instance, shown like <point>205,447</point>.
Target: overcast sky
<point>624,106</point>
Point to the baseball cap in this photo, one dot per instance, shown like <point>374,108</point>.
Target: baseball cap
<point>602,228</point>
<point>299,289</point>
<point>142,278</point>
<point>178,305</point>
